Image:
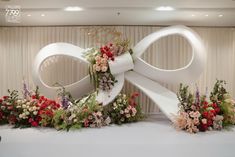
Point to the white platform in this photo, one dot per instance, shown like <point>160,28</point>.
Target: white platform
<point>153,137</point>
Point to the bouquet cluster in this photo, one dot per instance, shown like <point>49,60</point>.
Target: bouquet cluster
<point>83,113</point>
<point>22,112</point>
<point>34,110</point>
<point>199,113</point>
<point>99,70</point>
<point>124,109</point>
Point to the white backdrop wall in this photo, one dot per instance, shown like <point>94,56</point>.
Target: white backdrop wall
<point>19,45</point>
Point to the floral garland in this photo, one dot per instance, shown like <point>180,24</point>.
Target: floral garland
<point>199,113</point>
<point>34,110</point>
<point>99,70</point>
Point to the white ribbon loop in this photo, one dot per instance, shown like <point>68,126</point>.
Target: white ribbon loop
<point>165,99</point>
<point>187,74</point>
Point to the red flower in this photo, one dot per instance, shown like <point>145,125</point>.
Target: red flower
<point>34,123</point>
<point>42,97</point>
<point>203,127</point>
<point>38,119</point>
<point>10,107</point>
<point>205,114</point>
<point>217,110</point>
<point>49,113</point>
<point>214,105</point>
<point>5,97</point>
<point>30,120</point>
<point>107,51</point>
<point>209,122</point>
<point>1,100</point>
<point>12,119</point>
<point>86,123</point>
<point>205,103</point>
<point>33,96</point>
<point>135,94</point>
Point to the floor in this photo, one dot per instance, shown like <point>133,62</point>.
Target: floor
<point>153,137</point>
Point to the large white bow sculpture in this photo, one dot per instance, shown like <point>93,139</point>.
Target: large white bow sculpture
<point>144,76</point>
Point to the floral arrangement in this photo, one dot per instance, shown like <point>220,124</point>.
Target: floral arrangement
<point>124,109</point>
<point>99,70</point>
<point>34,110</point>
<point>200,113</point>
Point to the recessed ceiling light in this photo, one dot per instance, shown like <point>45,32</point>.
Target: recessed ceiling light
<point>193,15</point>
<point>206,15</point>
<point>164,8</point>
<point>29,15</point>
<point>43,15</point>
<point>73,8</point>
<point>221,15</point>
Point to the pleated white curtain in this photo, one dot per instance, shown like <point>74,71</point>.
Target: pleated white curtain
<point>19,45</point>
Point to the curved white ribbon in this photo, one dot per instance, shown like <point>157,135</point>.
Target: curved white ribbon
<point>143,75</point>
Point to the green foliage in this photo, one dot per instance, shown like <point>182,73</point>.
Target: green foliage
<point>13,96</point>
<point>185,97</point>
<point>58,120</point>
<point>90,56</point>
<point>228,110</point>
<point>37,93</point>
<point>218,91</point>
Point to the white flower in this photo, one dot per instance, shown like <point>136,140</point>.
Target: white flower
<point>107,121</point>
<point>35,112</point>
<point>119,100</point>
<point>73,115</point>
<point>204,121</point>
<point>97,68</point>
<point>20,116</point>
<point>121,112</point>
<point>34,108</point>
<point>23,106</point>
<point>27,113</point>
<point>99,114</point>
<point>70,118</point>
<point>126,110</point>
<point>128,115</point>
<point>103,61</point>
<point>30,109</point>
<point>75,120</point>
<point>3,107</point>
<point>28,103</point>
<point>18,101</point>
<point>97,57</point>
<point>104,68</point>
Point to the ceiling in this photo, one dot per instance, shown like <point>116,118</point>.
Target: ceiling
<point>122,12</point>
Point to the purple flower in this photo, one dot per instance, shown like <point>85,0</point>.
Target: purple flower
<point>26,92</point>
<point>65,102</point>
